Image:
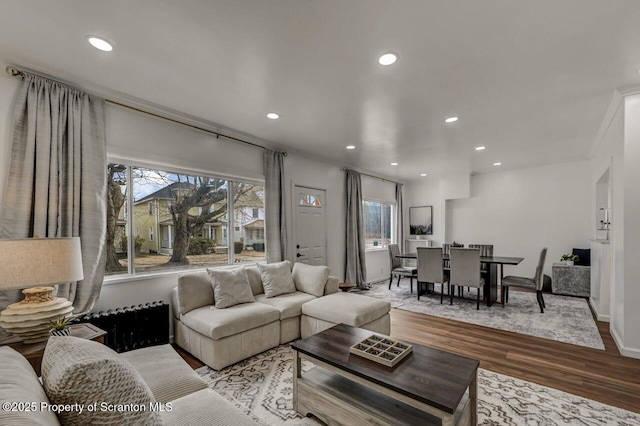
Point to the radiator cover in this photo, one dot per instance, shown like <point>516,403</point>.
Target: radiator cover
<point>132,327</point>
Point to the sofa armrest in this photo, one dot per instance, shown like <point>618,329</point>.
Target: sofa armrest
<point>331,286</point>
<point>175,303</point>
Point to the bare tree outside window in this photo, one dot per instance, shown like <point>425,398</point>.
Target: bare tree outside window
<point>187,218</point>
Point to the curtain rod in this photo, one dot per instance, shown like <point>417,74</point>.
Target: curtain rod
<point>14,72</point>
<point>372,176</point>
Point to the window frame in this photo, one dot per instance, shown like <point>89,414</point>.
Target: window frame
<point>392,225</point>
<point>132,163</point>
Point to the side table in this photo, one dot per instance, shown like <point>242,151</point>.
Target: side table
<point>33,352</point>
<point>346,287</point>
<point>571,280</point>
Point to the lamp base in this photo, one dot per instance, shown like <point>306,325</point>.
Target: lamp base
<point>30,319</point>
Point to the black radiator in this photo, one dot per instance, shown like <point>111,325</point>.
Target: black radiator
<point>133,327</point>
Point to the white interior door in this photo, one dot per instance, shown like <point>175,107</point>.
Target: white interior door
<point>310,236</point>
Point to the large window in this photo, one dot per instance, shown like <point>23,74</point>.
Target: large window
<point>378,224</point>
<point>187,218</point>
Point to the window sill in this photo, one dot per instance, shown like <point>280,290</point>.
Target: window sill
<point>126,278</point>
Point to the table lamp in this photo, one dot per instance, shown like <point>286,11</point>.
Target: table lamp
<point>39,262</point>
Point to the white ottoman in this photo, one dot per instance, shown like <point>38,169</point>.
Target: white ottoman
<point>346,308</point>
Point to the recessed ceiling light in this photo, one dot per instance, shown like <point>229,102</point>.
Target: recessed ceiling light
<point>451,119</point>
<point>394,164</point>
<point>423,174</point>
<point>497,164</point>
<point>480,148</point>
<point>351,147</point>
<point>388,58</point>
<point>273,115</point>
<point>100,43</point>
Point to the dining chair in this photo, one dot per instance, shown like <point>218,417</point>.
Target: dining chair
<point>396,268</point>
<point>446,250</point>
<point>534,283</point>
<point>485,250</point>
<point>465,271</point>
<point>430,269</point>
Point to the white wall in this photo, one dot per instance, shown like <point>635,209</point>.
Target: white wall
<point>631,314</point>
<point>522,211</point>
<point>426,192</point>
<point>319,175</point>
<point>609,155</point>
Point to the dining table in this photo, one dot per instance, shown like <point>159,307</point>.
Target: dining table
<point>490,289</point>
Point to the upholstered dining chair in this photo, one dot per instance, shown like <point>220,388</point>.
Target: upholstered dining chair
<point>430,269</point>
<point>485,250</point>
<point>396,267</point>
<point>465,270</point>
<point>534,283</point>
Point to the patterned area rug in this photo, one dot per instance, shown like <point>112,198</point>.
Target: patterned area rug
<point>565,319</point>
<point>262,387</point>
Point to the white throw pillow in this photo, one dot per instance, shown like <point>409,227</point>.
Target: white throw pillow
<point>310,278</point>
<point>276,278</point>
<point>230,287</point>
<point>80,371</point>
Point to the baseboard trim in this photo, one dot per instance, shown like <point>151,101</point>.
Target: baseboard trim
<point>594,308</point>
<point>628,352</point>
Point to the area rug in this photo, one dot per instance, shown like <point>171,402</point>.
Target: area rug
<point>262,387</point>
<point>565,319</point>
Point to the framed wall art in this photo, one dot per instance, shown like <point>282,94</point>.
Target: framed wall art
<point>421,220</point>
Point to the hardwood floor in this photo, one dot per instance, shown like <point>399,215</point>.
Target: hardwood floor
<point>604,376</point>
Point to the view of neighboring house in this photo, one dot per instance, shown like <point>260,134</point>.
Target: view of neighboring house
<point>153,222</point>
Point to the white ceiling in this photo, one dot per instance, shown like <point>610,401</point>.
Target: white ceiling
<point>530,80</point>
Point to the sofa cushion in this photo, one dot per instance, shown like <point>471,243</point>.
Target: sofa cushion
<point>310,278</point>
<point>276,278</point>
<point>194,291</point>
<point>80,371</point>
<point>230,287</point>
<point>205,407</point>
<point>165,372</point>
<point>20,384</point>
<point>218,323</point>
<point>289,305</point>
<point>348,308</point>
<point>255,279</point>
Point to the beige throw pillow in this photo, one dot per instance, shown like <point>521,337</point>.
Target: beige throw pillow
<point>83,372</point>
<point>310,278</point>
<point>230,287</point>
<point>276,278</point>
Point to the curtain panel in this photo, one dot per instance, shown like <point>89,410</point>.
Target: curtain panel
<point>275,221</point>
<point>57,180</point>
<point>356,269</point>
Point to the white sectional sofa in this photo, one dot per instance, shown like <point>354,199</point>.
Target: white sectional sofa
<point>223,336</point>
<point>79,373</point>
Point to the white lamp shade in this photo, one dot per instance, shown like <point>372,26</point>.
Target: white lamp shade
<point>39,261</point>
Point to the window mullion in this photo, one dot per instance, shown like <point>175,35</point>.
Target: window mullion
<point>231,230</point>
<point>131,244</point>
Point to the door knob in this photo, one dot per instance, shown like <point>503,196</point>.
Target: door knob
<point>298,255</point>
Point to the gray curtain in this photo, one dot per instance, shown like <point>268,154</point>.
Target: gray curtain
<point>275,226</point>
<point>356,269</point>
<point>57,178</point>
<point>399,218</point>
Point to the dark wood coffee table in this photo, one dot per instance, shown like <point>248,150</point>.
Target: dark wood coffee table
<point>430,386</point>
